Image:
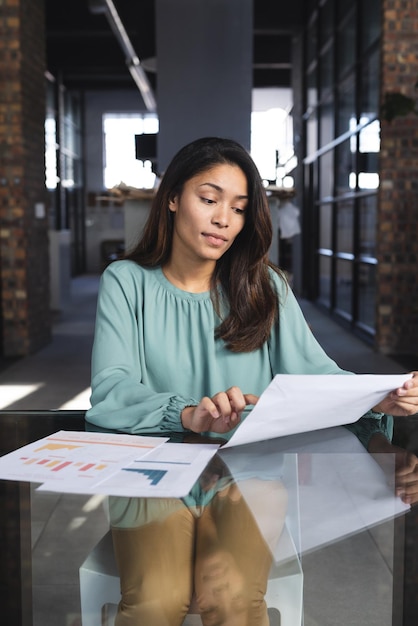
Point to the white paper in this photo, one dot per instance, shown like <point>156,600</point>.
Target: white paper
<point>169,471</point>
<point>294,403</point>
<point>346,493</point>
<point>335,487</point>
<point>75,457</point>
<point>108,464</point>
<point>342,489</point>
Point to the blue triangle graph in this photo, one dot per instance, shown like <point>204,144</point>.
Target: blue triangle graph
<point>154,476</point>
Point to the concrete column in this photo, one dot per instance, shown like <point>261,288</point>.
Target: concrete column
<point>204,79</point>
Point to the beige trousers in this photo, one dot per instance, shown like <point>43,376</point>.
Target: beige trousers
<point>217,557</point>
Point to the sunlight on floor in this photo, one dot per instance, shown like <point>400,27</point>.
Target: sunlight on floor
<point>80,401</point>
<point>11,393</point>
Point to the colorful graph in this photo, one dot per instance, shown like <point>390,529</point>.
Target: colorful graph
<point>57,446</point>
<point>56,465</point>
<point>154,476</point>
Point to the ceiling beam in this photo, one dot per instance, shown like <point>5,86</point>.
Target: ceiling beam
<point>133,62</point>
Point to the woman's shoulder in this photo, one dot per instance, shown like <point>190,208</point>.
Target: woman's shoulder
<point>279,280</point>
<point>128,272</point>
<point>137,278</point>
<point>126,267</point>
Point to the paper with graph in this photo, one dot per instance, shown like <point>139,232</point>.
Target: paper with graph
<point>169,471</point>
<point>111,464</point>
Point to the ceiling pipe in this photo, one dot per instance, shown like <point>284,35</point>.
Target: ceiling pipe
<point>133,62</point>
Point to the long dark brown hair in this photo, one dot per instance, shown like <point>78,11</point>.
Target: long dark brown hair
<point>241,284</point>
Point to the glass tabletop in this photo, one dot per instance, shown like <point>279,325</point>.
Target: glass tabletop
<point>307,524</point>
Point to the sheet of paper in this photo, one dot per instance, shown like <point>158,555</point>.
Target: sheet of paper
<point>168,471</point>
<point>299,403</point>
<point>335,487</point>
<point>345,494</point>
<point>69,457</point>
<point>342,489</point>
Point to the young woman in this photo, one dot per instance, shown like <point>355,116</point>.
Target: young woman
<point>195,322</point>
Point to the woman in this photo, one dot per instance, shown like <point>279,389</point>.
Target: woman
<point>195,322</point>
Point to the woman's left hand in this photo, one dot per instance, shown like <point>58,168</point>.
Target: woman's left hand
<point>406,476</point>
<point>402,401</point>
<point>399,465</point>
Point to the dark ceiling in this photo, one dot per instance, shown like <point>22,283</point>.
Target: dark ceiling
<point>84,51</point>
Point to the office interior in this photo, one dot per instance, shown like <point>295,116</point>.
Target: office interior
<point>343,75</point>
<point>340,77</point>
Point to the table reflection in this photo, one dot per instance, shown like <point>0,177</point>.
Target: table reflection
<point>292,529</point>
<point>207,547</point>
<point>254,509</point>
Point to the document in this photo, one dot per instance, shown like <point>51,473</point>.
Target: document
<point>69,457</point>
<point>294,403</point>
<point>109,464</point>
<point>169,471</point>
<point>335,487</point>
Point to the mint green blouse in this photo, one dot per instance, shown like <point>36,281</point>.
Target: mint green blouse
<point>155,353</point>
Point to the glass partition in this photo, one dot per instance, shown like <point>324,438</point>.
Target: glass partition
<point>367,299</point>
<point>342,146</point>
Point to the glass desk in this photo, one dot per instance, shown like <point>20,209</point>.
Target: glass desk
<point>344,554</point>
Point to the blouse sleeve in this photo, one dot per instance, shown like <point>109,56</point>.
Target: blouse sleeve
<point>119,399</point>
<point>295,350</point>
<point>370,424</point>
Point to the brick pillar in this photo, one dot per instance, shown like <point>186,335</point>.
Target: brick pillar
<point>24,258</point>
<point>397,279</point>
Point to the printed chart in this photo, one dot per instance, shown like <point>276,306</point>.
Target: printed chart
<point>109,464</point>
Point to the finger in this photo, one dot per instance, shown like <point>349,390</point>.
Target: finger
<point>408,493</point>
<point>233,419</point>
<point>410,385</point>
<point>208,405</point>
<point>236,398</point>
<point>406,404</point>
<point>406,476</point>
<point>414,379</point>
<point>403,473</point>
<point>411,382</point>
<point>250,398</point>
<point>405,392</point>
<point>407,464</point>
<point>222,403</point>
<point>410,489</point>
<point>404,408</point>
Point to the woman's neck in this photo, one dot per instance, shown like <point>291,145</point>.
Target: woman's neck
<point>192,279</point>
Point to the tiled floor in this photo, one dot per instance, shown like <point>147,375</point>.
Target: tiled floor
<point>339,580</point>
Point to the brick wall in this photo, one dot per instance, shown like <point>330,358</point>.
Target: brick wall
<point>24,256</point>
<point>397,310</point>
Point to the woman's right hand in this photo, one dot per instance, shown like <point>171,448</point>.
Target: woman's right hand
<point>218,414</point>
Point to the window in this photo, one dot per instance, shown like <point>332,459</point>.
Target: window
<point>271,143</point>
<point>342,144</point>
<point>121,165</point>
<point>51,175</point>
<point>272,134</point>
